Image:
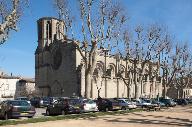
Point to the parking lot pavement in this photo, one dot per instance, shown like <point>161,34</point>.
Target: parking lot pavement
<point>40,112</point>
<point>173,117</point>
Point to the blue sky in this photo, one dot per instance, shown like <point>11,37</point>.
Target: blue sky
<point>17,54</point>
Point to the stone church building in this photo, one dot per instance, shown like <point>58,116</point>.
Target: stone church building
<point>59,68</point>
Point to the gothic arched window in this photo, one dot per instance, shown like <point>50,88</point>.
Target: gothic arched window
<point>50,29</point>
<point>111,71</point>
<point>98,72</point>
<point>58,30</point>
<point>122,70</point>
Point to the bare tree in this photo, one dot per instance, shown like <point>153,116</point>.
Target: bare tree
<point>29,93</point>
<point>100,22</point>
<point>98,78</point>
<point>155,49</point>
<point>143,51</point>
<point>182,69</point>
<point>10,13</point>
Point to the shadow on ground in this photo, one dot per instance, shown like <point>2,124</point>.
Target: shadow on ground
<point>149,119</point>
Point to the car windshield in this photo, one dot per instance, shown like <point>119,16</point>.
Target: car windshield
<point>19,103</point>
<point>171,101</point>
<point>155,101</point>
<point>127,101</point>
<point>22,98</point>
<point>113,101</point>
<point>142,101</point>
<point>74,101</point>
<point>147,101</point>
<point>88,101</point>
<point>35,98</point>
<point>46,99</point>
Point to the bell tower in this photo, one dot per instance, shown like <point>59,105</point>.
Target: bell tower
<point>49,29</point>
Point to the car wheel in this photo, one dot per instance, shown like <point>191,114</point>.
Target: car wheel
<point>106,109</point>
<point>5,116</point>
<point>30,116</point>
<point>123,108</point>
<point>48,113</point>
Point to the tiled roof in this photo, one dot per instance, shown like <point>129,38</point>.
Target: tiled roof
<point>9,77</point>
<point>29,80</point>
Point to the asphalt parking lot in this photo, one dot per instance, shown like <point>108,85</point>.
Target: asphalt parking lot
<point>180,116</point>
<point>40,112</point>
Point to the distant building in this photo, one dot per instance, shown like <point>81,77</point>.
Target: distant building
<point>180,91</point>
<point>8,86</point>
<point>187,93</point>
<point>11,86</point>
<point>25,88</point>
<point>59,68</point>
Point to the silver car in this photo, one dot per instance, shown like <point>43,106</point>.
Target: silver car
<point>126,104</point>
<point>85,105</point>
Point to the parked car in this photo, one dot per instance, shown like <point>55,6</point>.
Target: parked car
<point>89,105</point>
<point>35,101</point>
<point>58,107</point>
<point>154,101</point>
<point>23,98</point>
<point>168,102</point>
<point>73,110</point>
<point>142,103</point>
<point>181,101</point>
<point>189,100</point>
<point>126,104</point>
<point>116,105</point>
<point>85,105</point>
<point>46,101</point>
<point>104,104</point>
<point>16,108</point>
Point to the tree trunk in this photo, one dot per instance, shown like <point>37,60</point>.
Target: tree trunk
<point>164,85</point>
<point>135,80</point>
<point>165,90</point>
<point>117,88</point>
<point>98,93</point>
<point>88,85</point>
<point>129,91</point>
<point>137,91</point>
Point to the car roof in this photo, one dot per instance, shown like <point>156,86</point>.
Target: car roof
<point>122,99</point>
<point>17,100</point>
<point>21,97</point>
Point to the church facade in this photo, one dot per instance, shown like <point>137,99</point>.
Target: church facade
<point>59,69</point>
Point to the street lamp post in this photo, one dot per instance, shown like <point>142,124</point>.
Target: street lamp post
<point>105,70</point>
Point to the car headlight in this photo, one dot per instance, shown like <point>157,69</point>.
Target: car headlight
<point>41,102</point>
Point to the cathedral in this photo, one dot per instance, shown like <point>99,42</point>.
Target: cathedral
<point>59,69</point>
